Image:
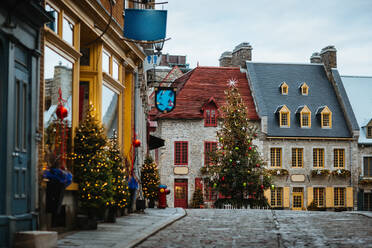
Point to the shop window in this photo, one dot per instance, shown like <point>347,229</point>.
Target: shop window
<point>276,157</point>
<point>339,197</point>
<point>58,89</point>
<point>109,112</point>
<point>318,157</point>
<point>180,153</point>
<point>339,158</point>
<point>297,157</point>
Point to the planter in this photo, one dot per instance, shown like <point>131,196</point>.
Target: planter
<point>151,203</point>
<point>86,223</point>
<point>140,205</point>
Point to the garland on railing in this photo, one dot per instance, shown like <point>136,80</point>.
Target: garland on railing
<point>341,173</point>
<point>278,172</point>
<point>320,172</point>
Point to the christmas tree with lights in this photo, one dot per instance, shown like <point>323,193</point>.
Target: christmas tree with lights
<point>236,170</point>
<point>119,174</point>
<point>92,167</point>
<point>150,179</point>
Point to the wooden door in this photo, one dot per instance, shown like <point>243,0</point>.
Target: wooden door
<point>297,198</point>
<point>180,193</point>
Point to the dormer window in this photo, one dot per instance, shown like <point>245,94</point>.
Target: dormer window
<point>284,88</point>
<point>304,89</point>
<point>210,117</point>
<point>326,117</point>
<point>369,130</point>
<point>284,116</point>
<point>305,117</point>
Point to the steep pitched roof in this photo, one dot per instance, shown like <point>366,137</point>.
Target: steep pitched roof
<point>265,80</point>
<point>198,86</point>
<point>359,90</point>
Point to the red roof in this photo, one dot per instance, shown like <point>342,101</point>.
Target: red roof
<point>199,86</point>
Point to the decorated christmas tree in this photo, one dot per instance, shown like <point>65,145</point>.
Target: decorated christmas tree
<point>236,170</point>
<point>92,168</point>
<point>119,174</point>
<point>150,179</point>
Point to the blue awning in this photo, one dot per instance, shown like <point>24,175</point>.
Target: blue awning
<point>145,24</point>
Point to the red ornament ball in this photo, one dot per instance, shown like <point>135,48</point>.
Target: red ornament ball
<point>250,148</point>
<point>136,143</point>
<point>262,186</point>
<point>61,112</point>
<point>223,178</point>
<point>257,165</point>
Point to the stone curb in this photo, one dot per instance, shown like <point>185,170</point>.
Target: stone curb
<point>363,214</point>
<point>156,229</point>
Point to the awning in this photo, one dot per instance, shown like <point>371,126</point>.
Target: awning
<point>155,142</point>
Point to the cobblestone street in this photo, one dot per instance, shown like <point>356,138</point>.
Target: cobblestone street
<point>264,228</point>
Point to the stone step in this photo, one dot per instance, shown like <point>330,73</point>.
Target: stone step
<point>35,239</point>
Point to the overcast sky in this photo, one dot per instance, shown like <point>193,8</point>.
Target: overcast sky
<point>278,30</point>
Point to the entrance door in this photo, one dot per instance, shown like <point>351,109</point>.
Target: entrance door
<point>367,202</point>
<point>21,188</point>
<point>297,198</point>
<point>180,193</point>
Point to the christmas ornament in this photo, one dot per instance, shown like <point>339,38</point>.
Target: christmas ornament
<point>245,184</point>
<point>272,186</point>
<point>136,143</point>
<point>61,112</point>
<point>257,165</point>
<point>262,187</point>
<point>215,185</point>
<point>236,148</point>
<point>223,178</point>
<point>250,148</point>
<point>230,160</point>
<point>278,172</point>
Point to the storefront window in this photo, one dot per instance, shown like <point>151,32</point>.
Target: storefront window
<point>58,89</point>
<point>109,110</point>
<point>68,31</point>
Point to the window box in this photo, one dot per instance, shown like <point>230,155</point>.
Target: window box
<point>365,181</point>
<point>278,172</point>
<point>341,173</point>
<point>319,172</point>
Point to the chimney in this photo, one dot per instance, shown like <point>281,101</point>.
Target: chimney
<point>315,58</point>
<point>241,54</point>
<point>225,59</point>
<point>328,55</point>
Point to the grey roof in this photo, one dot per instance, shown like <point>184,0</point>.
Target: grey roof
<point>359,90</point>
<point>265,80</point>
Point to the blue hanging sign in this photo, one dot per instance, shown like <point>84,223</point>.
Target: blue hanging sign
<point>165,99</point>
<point>145,24</point>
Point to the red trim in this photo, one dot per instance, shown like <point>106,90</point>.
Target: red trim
<point>181,152</point>
<point>181,202</point>
<point>209,146</point>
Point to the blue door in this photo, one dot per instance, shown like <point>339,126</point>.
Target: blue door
<point>21,150</point>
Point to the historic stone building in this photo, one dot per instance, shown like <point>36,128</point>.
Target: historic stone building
<point>358,89</point>
<point>308,132</point>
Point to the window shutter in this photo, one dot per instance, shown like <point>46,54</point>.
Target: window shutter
<point>286,197</point>
<point>330,197</point>
<point>267,194</point>
<point>349,197</point>
<point>310,195</point>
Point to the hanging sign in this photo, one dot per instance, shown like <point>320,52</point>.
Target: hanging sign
<point>165,99</point>
<point>145,24</point>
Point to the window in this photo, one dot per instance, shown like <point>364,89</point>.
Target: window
<point>68,31</point>
<point>318,157</point>
<point>181,153</point>
<point>109,113</point>
<point>297,157</point>
<point>367,166</point>
<point>54,24</point>
<point>284,117</point>
<point>326,118</point>
<point>339,197</point>
<point>115,69</point>
<point>105,62</point>
<point>319,196</point>
<point>305,117</point>
<point>339,158</point>
<point>276,157</point>
<point>210,118</point>
<point>284,88</point>
<point>369,132</point>
<point>304,89</point>
<point>277,197</point>
<point>208,148</point>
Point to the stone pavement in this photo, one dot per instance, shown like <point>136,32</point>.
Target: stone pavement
<point>128,231</point>
<point>265,228</point>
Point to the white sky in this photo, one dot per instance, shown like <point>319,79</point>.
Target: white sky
<point>278,30</point>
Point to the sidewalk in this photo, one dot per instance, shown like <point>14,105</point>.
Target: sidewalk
<point>128,231</point>
<point>364,213</point>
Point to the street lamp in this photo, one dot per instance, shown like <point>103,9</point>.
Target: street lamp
<point>159,46</point>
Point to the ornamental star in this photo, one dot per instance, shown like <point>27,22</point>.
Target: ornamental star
<point>232,82</point>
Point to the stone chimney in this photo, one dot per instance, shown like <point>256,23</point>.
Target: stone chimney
<point>328,56</point>
<point>225,59</point>
<point>315,58</point>
<point>241,53</point>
